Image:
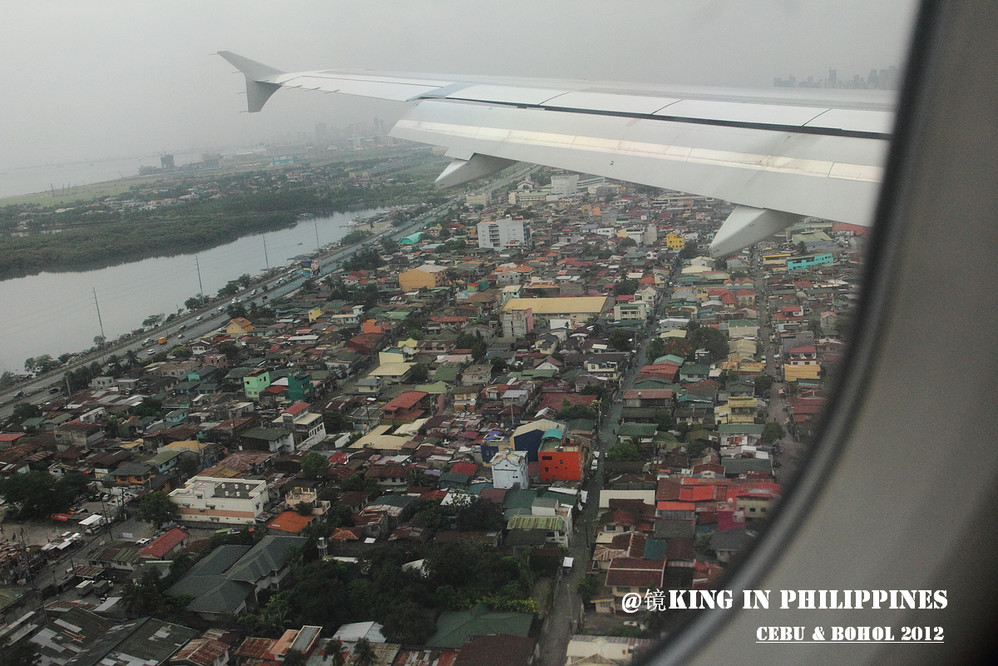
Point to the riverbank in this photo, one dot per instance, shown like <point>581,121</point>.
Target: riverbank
<point>191,212</point>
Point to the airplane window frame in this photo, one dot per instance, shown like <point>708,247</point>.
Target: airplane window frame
<point>936,46</point>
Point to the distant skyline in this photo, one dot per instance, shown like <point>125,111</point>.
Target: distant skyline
<point>109,78</point>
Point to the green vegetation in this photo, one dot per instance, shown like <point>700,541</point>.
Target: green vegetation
<point>38,494</point>
<point>241,204</point>
<point>157,508</point>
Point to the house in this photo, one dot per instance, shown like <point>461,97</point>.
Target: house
<point>238,327</point>
<point>455,628</point>
<point>268,439</point>
<point>559,459</point>
<point>227,580</point>
<point>78,636</point>
<point>255,383</point>
<point>405,408</point>
<point>426,276</point>
<point>509,469</point>
<point>627,575</point>
<point>210,649</point>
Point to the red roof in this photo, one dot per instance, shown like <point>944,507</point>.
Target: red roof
<point>164,543</point>
<point>289,521</point>
<point>633,572</point>
<point>296,408</point>
<point>406,400</point>
<point>465,468</point>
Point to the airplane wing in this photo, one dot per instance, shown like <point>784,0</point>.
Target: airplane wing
<point>779,155</point>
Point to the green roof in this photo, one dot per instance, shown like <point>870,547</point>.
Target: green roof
<point>454,628</point>
<point>741,428</point>
<point>637,430</point>
<point>268,556</point>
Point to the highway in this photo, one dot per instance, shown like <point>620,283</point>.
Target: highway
<point>37,390</point>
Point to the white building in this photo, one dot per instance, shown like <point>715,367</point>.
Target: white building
<point>508,469</point>
<point>500,234</point>
<point>634,311</point>
<point>565,184</point>
<point>209,500</point>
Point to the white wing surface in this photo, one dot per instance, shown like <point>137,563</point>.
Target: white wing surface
<point>778,157</point>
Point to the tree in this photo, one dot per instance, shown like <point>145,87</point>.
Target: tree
<point>772,431</point>
<point>24,653</point>
<point>620,339</point>
<point>763,383</point>
<point>363,653</point>
<point>314,465</point>
<point>625,287</point>
<point>624,452</point>
<point>711,339</point>
<point>157,508</point>
<point>39,494</point>
<point>336,651</point>
<point>294,657</point>
<point>420,373</point>
<point>407,622</point>
<point>587,588</point>
<point>480,514</point>
<point>389,245</point>
<point>23,411</point>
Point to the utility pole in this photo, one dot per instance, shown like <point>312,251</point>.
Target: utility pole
<point>200,286</point>
<point>103,338</point>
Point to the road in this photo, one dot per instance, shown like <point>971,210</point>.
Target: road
<point>37,391</point>
<point>567,610</point>
<point>192,324</point>
<point>790,451</point>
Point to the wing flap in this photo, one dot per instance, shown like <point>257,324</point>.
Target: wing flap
<point>821,176</point>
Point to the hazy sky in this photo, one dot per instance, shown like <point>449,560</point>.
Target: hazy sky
<point>113,78</point>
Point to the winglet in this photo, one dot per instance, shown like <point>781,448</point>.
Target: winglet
<point>259,84</point>
<point>747,226</point>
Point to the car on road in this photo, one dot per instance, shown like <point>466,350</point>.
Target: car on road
<point>199,318</point>
<point>151,351</point>
<point>19,394</point>
<point>180,335</point>
<point>54,390</point>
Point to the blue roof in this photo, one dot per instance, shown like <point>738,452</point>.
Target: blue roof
<point>556,433</point>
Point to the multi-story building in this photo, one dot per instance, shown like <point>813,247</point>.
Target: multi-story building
<point>509,468</point>
<point>255,382</point>
<point>426,276</point>
<point>208,500</point>
<point>500,234</point>
<point>810,261</point>
<point>633,311</point>
<point>517,323</point>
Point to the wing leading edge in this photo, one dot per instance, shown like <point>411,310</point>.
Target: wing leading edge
<point>777,157</point>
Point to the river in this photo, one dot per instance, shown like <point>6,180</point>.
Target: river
<point>55,313</point>
<point>64,177</point>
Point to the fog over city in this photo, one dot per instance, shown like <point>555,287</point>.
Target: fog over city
<point>108,79</point>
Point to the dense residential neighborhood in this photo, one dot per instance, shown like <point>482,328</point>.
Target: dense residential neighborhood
<point>466,446</point>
